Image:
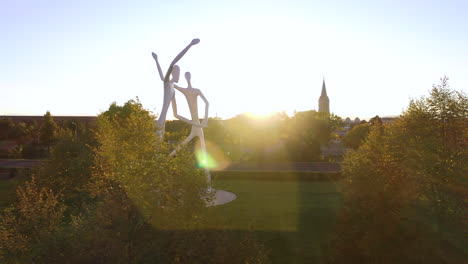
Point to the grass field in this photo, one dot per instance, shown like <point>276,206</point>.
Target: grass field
<point>293,218</point>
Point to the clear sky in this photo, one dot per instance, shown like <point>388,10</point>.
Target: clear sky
<point>77,57</point>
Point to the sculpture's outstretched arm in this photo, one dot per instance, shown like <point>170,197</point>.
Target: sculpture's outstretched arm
<point>159,67</point>
<point>186,120</point>
<point>207,105</point>
<point>181,54</point>
<point>180,89</point>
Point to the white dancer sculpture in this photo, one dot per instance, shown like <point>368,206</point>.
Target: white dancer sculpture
<point>191,94</point>
<point>169,85</point>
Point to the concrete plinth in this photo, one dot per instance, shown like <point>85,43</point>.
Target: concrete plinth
<point>222,197</point>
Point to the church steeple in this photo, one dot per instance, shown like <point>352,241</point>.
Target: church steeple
<point>324,89</point>
<point>324,102</point>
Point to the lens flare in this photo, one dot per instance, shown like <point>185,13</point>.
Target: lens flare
<point>205,160</point>
<point>214,158</point>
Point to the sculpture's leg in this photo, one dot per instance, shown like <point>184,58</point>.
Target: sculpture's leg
<point>160,125</point>
<point>160,129</point>
<point>187,140</point>
<point>204,161</point>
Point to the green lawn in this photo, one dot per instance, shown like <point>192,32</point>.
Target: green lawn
<point>293,218</point>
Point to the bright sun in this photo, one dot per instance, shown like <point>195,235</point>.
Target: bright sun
<point>260,114</point>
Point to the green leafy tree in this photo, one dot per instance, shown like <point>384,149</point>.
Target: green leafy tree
<point>135,179</point>
<point>376,119</point>
<point>29,228</point>
<point>32,147</point>
<point>6,127</point>
<point>357,135</point>
<point>118,198</point>
<point>176,130</point>
<point>68,169</point>
<point>435,129</point>
<point>306,131</point>
<point>22,133</point>
<point>48,131</point>
<point>405,190</point>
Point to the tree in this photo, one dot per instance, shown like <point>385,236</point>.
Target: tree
<point>68,169</point>
<point>435,129</point>
<point>376,119</point>
<point>32,148</point>
<point>6,126</point>
<point>48,131</point>
<point>176,130</point>
<point>306,132</point>
<point>138,182</point>
<point>415,165</point>
<point>357,135</point>
<point>22,133</point>
<point>118,198</point>
<point>28,229</point>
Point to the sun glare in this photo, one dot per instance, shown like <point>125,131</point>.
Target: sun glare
<point>260,114</point>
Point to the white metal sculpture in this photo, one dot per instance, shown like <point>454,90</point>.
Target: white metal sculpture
<point>169,85</point>
<point>191,94</point>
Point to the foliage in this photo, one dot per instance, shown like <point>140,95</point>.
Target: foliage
<point>306,131</point>
<point>436,129</point>
<point>276,137</point>
<point>415,165</point>
<point>376,119</point>
<point>217,133</point>
<point>176,130</point>
<point>6,125</point>
<point>68,169</point>
<point>271,138</point>
<point>126,201</point>
<point>357,135</point>
<point>140,165</point>
<point>28,229</point>
<point>48,131</point>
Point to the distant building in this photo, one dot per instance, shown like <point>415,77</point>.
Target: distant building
<point>388,119</point>
<point>347,121</point>
<point>324,102</point>
<point>357,121</point>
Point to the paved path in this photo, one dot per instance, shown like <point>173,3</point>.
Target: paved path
<point>285,166</point>
<point>19,163</point>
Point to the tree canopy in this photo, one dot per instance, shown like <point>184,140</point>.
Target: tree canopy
<point>48,130</point>
<point>406,187</point>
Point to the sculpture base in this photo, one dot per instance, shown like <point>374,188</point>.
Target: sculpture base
<point>222,197</point>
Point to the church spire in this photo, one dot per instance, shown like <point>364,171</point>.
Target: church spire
<point>324,102</point>
<point>324,89</point>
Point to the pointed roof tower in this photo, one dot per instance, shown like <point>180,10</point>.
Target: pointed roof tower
<point>324,89</point>
<point>324,102</point>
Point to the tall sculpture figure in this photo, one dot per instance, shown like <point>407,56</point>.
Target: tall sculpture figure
<point>169,86</point>
<point>191,95</point>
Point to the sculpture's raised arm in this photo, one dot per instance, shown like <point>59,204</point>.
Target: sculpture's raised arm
<point>159,67</point>
<point>181,54</point>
